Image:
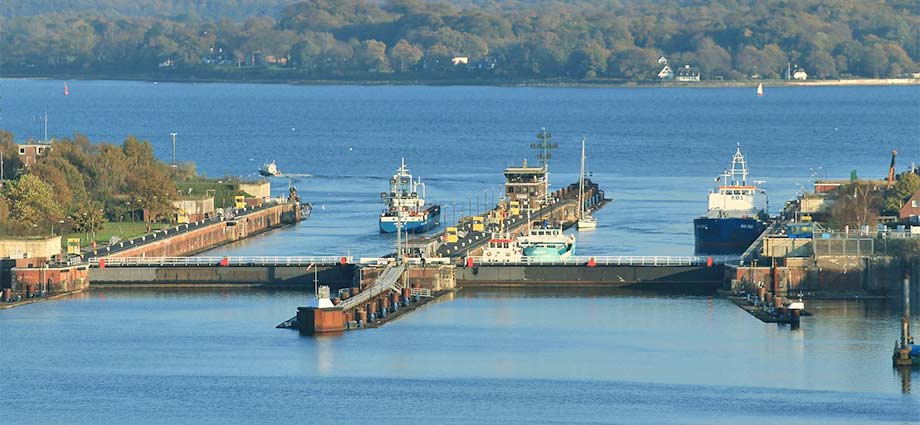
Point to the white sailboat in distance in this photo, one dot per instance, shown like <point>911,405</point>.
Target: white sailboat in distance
<point>585,219</point>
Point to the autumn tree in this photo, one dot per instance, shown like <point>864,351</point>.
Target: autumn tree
<point>858,204</point>
<point>900,192</point>
<point>32,203</point>
<point>405,55</point>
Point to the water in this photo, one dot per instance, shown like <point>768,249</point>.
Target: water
<point>655,151</point>
<point>213,356</point>
<point>537,356</point>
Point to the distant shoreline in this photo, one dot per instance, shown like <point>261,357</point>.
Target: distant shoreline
<point>494,82</point>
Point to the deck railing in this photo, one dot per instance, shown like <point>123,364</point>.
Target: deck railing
<point>216,261</point>
<point>616,261</point>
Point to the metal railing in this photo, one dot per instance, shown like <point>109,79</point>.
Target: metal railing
<point>616,261</point>
<point>421,292</point>
<point>388,280</point>
<point>216,261</point>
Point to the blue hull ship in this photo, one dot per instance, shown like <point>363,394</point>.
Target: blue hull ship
<point>406,209</point>
<point>732,222</point>
<point>427,221</point>
<point>725,236</point>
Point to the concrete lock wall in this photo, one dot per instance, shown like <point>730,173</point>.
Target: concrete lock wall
<point>339,276</point>
<point>207,237</point>
<point>830,274</point>
<point>50,280</point>
<point>601,275</point>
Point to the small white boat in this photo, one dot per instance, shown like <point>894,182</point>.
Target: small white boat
<point>547,244</point>
<point>502,249</point>
<point>760,89</point>
<point>585,219</point>
<point>269,170</point>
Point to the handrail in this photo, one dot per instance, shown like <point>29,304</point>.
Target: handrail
<point>217,261</point>
<point>615,261</point>
<point>387,280</point>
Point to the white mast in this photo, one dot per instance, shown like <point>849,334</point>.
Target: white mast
<point>581,182</point>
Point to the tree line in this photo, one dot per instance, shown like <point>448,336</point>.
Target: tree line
<point>533,40</point>
<point>80,185</point>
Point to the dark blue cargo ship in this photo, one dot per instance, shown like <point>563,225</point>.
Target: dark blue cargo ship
<point>732,222</point>
<point>725,236</point>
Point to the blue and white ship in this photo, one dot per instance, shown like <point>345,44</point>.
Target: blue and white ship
<point>406,205</point>
<point>547,244</point>
<point>733,221</point>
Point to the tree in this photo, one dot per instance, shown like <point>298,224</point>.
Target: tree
<point>857,205</point>
<point>371,54</point>
<point>32,202</point>
<point>11,161</point>
<point>89,218</point>
<point>405,55</point>
<point>635,64</point>
<point>900,192</point>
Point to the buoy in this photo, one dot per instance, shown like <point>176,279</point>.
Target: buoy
<point>591,262</point>
<point>343,260</point>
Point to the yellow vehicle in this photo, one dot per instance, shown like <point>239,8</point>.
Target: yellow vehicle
<point>73,246</point>
<point>240,201</point>
<point>515,208</point>
<point>478,224</point>
<point>181,217</point>
<point>451,235</point>
<point>805,218</point>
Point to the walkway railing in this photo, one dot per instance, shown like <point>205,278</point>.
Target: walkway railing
<point>215,261</point>
<point>388,280</point>
<point>615,261</point>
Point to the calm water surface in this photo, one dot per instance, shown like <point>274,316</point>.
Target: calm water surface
<point>484,357</point>
<point>151,357</point>
<point>655,151</point>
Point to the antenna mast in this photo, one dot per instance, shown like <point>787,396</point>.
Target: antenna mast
<point>544,156</point>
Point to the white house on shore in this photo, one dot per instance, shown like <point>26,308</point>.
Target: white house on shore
<point>688,74</point>
<point>666,73</point>
<point>799,74</point>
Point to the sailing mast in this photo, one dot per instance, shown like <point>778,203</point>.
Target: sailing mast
<point>581,183</point>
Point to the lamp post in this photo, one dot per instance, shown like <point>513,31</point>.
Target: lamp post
<point>174,155</point>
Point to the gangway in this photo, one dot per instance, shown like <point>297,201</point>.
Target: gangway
<point>388,280</point>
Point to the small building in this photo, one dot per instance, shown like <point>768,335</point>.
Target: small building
<point>30,247</point>
<point>688,74</point>
<point>460,60</point>
<point>191,210</point>
<point>29,152</point>
<point>911,209</point>
<point>526,185</point>
<point>260,189</point>
<point>829,186</point>
<point>800,74</point>
<point>662,60</point>
<point>666,73</point>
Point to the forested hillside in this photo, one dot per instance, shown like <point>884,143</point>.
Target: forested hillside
<point>532,40</point>
<point>234,9</point>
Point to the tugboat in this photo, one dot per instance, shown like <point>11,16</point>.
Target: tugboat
<point>502,249</point>
<point>406,205</point>
<point>547,244</point>
<point>269,169</point>
<point>733,220</point>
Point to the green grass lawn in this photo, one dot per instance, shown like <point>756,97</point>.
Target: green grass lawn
<point>123,229</point>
